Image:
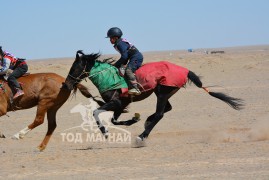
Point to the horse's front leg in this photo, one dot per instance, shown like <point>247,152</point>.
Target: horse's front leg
<point>99,122</point>
<point>134,119</point>
<point>118,111</point>
<point>116,104</point>
<point>39,119</point>
<point>21,133</point>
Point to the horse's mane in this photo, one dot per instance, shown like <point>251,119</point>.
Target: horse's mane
<point>109,60</point>
<point>95,56</point>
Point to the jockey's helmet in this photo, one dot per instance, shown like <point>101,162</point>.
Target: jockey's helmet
<point>114,32</point>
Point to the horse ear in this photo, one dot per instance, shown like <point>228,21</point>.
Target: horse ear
<point>77,55</point>
<point>79,52</point>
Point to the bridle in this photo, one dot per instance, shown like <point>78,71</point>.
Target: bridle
<point>78,78</point>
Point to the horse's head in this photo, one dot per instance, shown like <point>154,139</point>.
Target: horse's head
<point>80,69</point>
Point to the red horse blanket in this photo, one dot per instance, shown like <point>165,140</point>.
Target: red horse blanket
<point>163,72</point>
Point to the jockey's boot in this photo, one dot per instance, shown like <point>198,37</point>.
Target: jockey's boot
<point>134,90</point>
<point>130,76</point>
<point>18,93</point>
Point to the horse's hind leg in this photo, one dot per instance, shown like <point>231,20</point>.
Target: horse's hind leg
<point>163,94</point>
<point>168,106</point>
<point>154,118</point>
<point>51,116</point>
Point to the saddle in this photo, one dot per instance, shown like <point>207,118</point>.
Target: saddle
<point>164,73</point>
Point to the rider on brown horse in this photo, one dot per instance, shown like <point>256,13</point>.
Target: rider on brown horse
<point>13,68</point>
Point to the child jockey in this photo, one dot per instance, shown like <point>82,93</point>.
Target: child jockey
<point>14,68</point>
<point>129,55</point>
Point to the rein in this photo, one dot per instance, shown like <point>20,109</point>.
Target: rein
<point>78,79</point>
<point>101,74</point>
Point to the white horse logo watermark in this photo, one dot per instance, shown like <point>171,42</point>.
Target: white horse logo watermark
<point>89,126</point>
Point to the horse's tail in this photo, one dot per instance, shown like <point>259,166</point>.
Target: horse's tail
<point>85,92</point>
<point>235,103</point>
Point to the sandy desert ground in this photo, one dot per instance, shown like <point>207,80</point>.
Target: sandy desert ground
<point>201,138</point>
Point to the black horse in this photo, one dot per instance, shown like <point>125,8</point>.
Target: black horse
<point>83,67</point>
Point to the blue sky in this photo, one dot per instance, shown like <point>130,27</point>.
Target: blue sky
<point>37,29</point>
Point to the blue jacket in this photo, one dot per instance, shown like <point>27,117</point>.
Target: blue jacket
<point>128,52</point>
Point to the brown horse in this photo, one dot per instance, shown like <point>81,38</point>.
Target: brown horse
<point>43,90</point>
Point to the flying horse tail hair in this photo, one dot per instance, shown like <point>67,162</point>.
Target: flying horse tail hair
<point>235,103</point>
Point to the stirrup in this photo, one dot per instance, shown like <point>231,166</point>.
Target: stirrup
<point>134,91</point>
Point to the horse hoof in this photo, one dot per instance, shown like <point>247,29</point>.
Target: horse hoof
<point>106,135</point>
<point>136,117</point>
<point>140,142</point>
<point>16,137</point>
<point>41,148</point>
<point>139,139</point>
<point>2,135</point>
